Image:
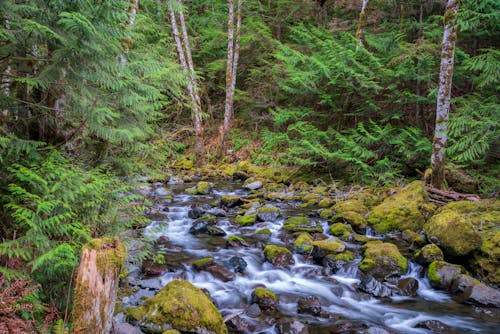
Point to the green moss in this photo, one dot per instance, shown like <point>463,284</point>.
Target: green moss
<point>352,218</point>
<point>401,211</point>
<point>172,331</point>
<point>346,256</point>
<point>230,200</point>
<point>261,293</point>
<point>272,251</point>
<point>201,263</point>
<point>227,169</point>
<point>377,255</point>
<point>326,202</point>
<point>301,224</point>
<point>246,220</point>
<point>203,188</point>
<point>304,242</point>
<point>331,245</point>
<point>414,238</point>
<point>111,259</point>
<point>341,230</point>
<point>453,233</point>
<point>265,231</point>
<point>181,306</point>
<point>352,205</point>
<point>235,238</point>
<point>326,213</point>
<point>266,209</point>
<point>432,272</point>
<point>184,164</point>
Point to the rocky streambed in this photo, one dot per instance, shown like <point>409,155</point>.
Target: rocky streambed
<point>264,257</point>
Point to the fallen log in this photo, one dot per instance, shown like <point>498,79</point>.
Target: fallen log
<point>445,196</point>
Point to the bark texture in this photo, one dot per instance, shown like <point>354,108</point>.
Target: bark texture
<point>444,95</point>
<point>97,286</point>
<point>361,25</point>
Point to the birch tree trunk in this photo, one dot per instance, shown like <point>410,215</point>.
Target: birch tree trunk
<point>233,52</point>
<point>361,25</point>
<point>184,51</point>
<point>444,95</point>
<point>97,286</point>
<point>6,78</point>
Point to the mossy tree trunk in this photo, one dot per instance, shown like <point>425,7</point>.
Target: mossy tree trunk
<point>233,53</point>
<point>96,286</point>
<point>444,95</point>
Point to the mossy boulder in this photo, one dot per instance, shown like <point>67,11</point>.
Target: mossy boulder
<point>245,220</point>
<point>382,260</point>
<point>326,213</point>
<point>303,243</point>
<point>321,248</point>
<point>278,256</point>
<point>485,262</point>
<point>455,235</point>
<point>413,238</point>
<point>301,224</point>
<point>428,254</point>
<point>180,306</point>
<point>266,299</point>
<point>268,213</point>
<point>203,263</point>
<point>201,188</point>
<point>350,205</point>
<point>401,211</point>
<point>441,274</point>
<point>263,231</point>
<point>354,219</point>
<point>230,201</point>
<point>346,256</point>
<point>342,231</point>
<point>326,202</point>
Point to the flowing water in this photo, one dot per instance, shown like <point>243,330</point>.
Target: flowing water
<point>342,303</point>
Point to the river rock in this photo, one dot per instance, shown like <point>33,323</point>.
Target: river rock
<point>201,188</point>
<point>292,327</point>
<point>302,224</point>
<point>441,274</point>
<point>428,254</point>
<point>268,213</point>
<point>407,286</point>
<point>201,225</point>
<point>237,324</point>
<point>434,326</point>
<point>150,268</point>
<point>125,328</point>
<point>278,256</point>
<point>374,287</point>
<point>266,299</point>
<point>473,291</point>
<point>303,243</point>
<point>253,311</point>
<point>376,330</point>
<point>309,305</point>
<point>181,306</point>
<point>255,185</point>
<point>217,212</point>
<point>404,210</point>
<point>220,272</point>
<point>203,263</point>
<point>237,264</point>
<point>341,230</point>
<point>453,233</point>
<point>162,192</point>
<point>321,248</point>
<point>382,260</point>
<point>195,212</point>
<point>230,201</point>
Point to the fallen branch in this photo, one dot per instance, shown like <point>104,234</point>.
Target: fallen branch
<point>445,196</point>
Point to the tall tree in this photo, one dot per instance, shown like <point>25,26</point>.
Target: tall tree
<point>186,60</point>
<point>444,94</point>
<point>233,53</point>
<point>361,25</point>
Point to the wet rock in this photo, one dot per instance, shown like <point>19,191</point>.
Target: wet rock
<point>434,326</point>
<point>278,256</point>
<point>237,264</point>
<point>125,328</point>
<point>234,241</point>
<point>203,263</point>
<point>151,284</point>
<point>217,212</point>
<point>161,192</point>
<point>230,201</point>
<point>245,220</point>
<point>201,188</point>
<point>343,327</point>
<point>415,239</point>
<point>215,231</point>
<point>335,262</point>
<point>374,287</point>
<point>162,241</point>
<point>253,311</point>
<point>303,243</point>
<point>266,299</point>
<point>292,327</point>
<point>342,231</point>
<point>220,272</point>
<point>195,212</point>
<point>408,286</point>
<point>441,274</point>
<point>181,306</point>
<point>150,268</point>
<point>428,254</point>
<point>382,260</point>
<point>255,185</point>
<point>322,248</point>
<point>240,176</point>
<point>156,214</point>
<point>268,213</point>
<point>309,305</point>
<point>237,325</point>
<point>201,225</point>
<point>354,219</point>
<point>401,211</point>
<point>376,330</point>
<point>472,291</point>
<point>302,224</point>
<point>453,233</point>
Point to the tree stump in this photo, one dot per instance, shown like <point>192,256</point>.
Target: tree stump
<point>97,285</point>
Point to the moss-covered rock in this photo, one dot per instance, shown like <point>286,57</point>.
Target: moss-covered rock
<point>268,213</point>
<point>382,260</point>
<point>245,220</point>
<point>346,256</point>
<point>429,253</point>
<point>351,205</point>
<point>180,306</point>
<point>342,231</point>
<point>326,213</point>
<point>455,235</point>
<point>230,201</point>
<point>302,224</point>
<point>266,299</point>
<point>441,274</point>
<point>330,245</point>
<point>326,202</point>
<point>401,211</point>
<point>203,263</point>
<point>303,243</point>
<point>263,231</point>
<point>354,219</point>
<point>201,188</point>
<point>485,262</point>
<point>278,256</point>
<point>413,238</point>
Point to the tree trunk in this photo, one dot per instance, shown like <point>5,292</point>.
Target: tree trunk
<point>97,286</point>
<point>231,69</point>
<point>361,25</point>
<point>188,69</point>
<point>6,79</point>
<point>444,95</point>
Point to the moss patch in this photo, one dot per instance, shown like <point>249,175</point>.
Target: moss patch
<point>301,224</point>
<point>351,205</point>
<point>331,245</point>
<point>346,256</point>
<point>246,220</point>
<point>381,259</point>
<point>264,231</point>
<point>303,243</point>
<point>202,263</point>
<point>262,293</point>
<point>340,230</point>
<point>273,251</point>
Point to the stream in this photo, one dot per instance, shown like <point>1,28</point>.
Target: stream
<point>344,307</point>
